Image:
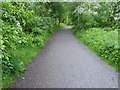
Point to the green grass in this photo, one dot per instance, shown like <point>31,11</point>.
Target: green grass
<point>26,54</point>
<point>62,25</point>
<point>104,42</point>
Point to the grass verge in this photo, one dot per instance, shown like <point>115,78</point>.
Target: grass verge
<point>103,41</point>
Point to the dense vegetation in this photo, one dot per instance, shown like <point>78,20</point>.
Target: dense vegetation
<point>95,26</point>
<point>27,26</point>
<point>104,43</point>
<point>25,29</point>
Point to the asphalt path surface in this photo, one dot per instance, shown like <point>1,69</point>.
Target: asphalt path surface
<point>66,63</point>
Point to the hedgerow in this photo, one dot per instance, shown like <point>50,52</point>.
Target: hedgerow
<point>24,32</point>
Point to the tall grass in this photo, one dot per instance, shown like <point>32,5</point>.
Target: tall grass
<point>104,42</point>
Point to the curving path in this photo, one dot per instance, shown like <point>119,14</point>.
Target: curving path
<point>66,63</point>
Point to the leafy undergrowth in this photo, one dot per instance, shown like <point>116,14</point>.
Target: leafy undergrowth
<point>20,57</point>
<point>104,42</point>
<point>24,54</point>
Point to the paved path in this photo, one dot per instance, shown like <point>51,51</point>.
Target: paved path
<point>66,63</point>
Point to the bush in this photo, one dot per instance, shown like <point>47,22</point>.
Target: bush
<point>16,13</point>
<point>94,14</point>
<point>44,23</point>
<point>40,28</point>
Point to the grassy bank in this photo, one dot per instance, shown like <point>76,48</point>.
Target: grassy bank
<point>104,42</point>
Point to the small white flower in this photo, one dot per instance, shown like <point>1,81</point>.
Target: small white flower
<point>14,37</point>
<point>95,13</point>
<point>23,78</point>
<point>20,41</point>
<point>15,32</point>
<point>115,18</point>
<point>95,7</point>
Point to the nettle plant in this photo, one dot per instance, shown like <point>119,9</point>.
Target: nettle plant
<point>15,12</point>
<point>13,36</point>
<point>14,17</point>
<point>40,27</point>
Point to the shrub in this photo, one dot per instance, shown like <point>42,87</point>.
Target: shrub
<point>40,28</point>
